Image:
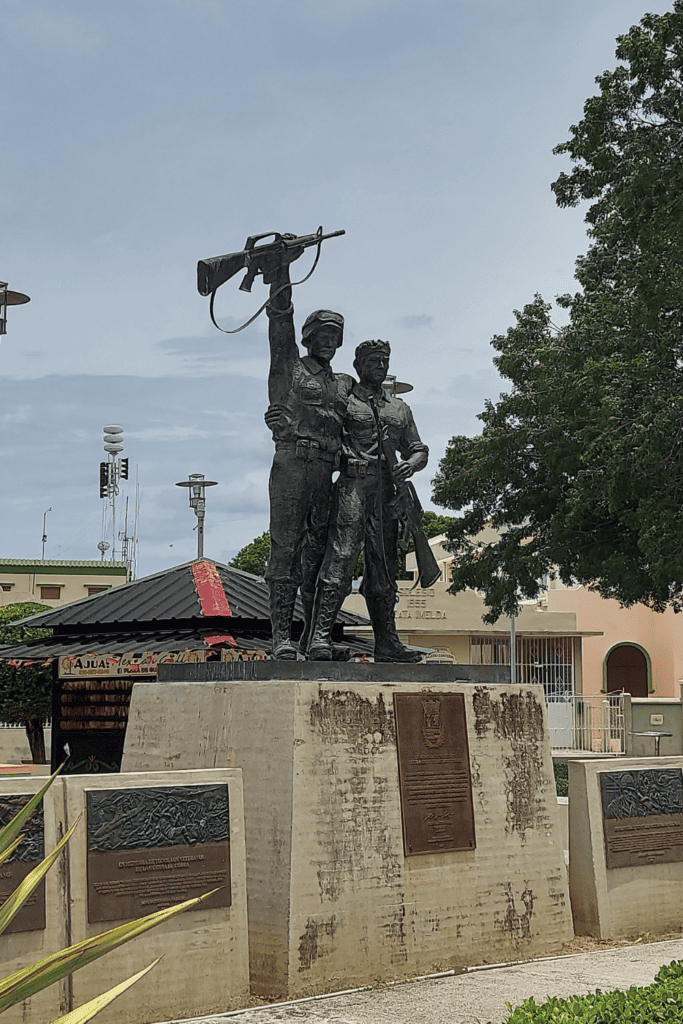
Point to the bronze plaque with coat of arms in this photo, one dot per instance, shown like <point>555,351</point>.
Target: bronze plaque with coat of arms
<point>434,773</point>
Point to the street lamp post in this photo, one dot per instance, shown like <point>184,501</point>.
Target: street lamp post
<point>196,484</point>
<point>44,533</point>
<point>8,298</point>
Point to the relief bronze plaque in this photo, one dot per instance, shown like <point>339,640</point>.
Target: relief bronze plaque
<point>434,773</point>
<point>149,848</point>
<point>642,815</point>
<point>28,855</point>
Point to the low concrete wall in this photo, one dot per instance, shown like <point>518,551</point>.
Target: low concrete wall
<point>22,948</point>
<point>205,965</point>
<point>624,901</point>
<point>563,807</point>
<point>642,710</point>
<point>333,900</point>
<point>14,746</point>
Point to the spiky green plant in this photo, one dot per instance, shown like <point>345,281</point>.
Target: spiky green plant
<point>26,982</point>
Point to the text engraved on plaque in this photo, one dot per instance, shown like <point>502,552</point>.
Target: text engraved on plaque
<point>434,773</point>
<point>25,858</point>
<point>642,815</point>
<point>149,848</point>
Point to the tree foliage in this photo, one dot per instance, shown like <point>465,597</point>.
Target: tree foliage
<point>25,689</point>
<point>580,463</point>
<point>253,557</point>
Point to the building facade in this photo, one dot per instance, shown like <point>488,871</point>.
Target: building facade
<point>634,650</point>
<point>56,583</point>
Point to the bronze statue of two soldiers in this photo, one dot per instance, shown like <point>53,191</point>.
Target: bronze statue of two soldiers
<point>321,422</point>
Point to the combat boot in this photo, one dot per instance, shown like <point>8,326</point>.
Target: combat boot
<point>307,600</point>
<point>282,599</point>
<point>388,647</point>
<point>328,601</point>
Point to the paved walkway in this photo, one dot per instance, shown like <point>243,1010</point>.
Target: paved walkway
<point>479,995</point>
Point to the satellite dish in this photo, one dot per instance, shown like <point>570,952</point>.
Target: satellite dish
<point>113,429</point>
<point>113,448</point>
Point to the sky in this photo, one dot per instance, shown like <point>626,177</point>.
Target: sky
<point>141,136</point>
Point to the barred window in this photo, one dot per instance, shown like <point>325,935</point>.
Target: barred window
<point>545,661</point>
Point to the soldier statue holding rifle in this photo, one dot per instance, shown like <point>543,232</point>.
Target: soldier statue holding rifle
<point>372,496</point>
<point>308,406</point>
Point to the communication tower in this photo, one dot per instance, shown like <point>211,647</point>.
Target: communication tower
<point>112,472</point>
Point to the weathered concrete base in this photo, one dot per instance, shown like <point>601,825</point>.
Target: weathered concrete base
<point>21,949</point>
<point>611,904</point>
<point>205,965</point>
<point>333,902</point>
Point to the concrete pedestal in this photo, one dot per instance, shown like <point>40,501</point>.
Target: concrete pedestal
<point>205,960</point>
<point>622,901</point>
<point>332,900</point>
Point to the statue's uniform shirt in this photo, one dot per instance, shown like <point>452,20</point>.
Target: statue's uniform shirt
<point>312,402</point>
<point>315,407</point>
<point>359,433</point>
<point>361,489</point>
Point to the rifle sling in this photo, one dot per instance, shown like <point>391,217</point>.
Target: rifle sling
<point>290,284</point>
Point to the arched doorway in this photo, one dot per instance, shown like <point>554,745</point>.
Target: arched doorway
<point>627,669</point>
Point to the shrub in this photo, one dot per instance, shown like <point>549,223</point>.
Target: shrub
<point>659,1003</point>
<point>561,779</point>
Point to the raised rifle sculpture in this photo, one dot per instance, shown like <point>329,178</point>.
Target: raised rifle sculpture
<point>256,259</point>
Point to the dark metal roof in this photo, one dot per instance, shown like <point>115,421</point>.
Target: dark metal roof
<point>171,596</point>
<point>143,642</point>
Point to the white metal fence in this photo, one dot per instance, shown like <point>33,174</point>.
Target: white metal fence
<point>591,724</point>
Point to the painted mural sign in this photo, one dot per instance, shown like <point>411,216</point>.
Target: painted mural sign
<point>128,663</point>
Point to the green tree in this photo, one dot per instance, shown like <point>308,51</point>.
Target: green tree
<point>253,557</point>
<point>432,525</point>
<point>25,689</point>
<point>580,464</point>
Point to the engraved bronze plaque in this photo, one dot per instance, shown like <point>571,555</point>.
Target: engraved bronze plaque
<point>28,855</point>
<point>642,816</point>
<point>149,848</point>
<point>434,773</point>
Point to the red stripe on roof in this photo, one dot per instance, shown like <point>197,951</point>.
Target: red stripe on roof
<point>220,639</point>
<point>207,582</point>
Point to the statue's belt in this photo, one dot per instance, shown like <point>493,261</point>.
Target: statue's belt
<point>305,449</point>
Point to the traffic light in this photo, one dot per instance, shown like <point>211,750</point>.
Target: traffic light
<point>104,479</point>
<point>123,469</point>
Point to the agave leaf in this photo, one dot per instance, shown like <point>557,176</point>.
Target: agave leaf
<point>10,849</point>
<point>15,902</point>
<point>88,1010</point>
<point>12,829</point>
<point>29,980</point>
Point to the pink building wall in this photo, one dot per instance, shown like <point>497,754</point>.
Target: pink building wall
<point>660,635</point>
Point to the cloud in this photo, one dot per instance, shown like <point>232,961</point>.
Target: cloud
<point>415,320</point>
<point>20,414</point>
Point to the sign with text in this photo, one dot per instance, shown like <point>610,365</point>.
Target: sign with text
<point>25,858</point>
<point>434,773</point>
<point>151,847</point>
<point>642,816</point>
